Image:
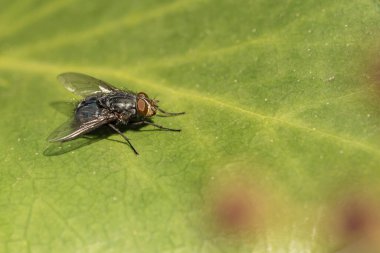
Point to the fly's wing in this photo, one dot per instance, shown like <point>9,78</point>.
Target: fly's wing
<point>84,85</point>
<point>73,128</point>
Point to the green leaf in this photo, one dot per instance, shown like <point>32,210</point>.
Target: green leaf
<point>280,143</point>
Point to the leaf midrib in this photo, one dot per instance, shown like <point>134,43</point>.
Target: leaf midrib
<point>20,64</point>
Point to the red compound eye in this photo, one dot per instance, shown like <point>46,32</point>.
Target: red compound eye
<point>142,107</point>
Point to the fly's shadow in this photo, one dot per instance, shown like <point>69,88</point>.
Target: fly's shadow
<point>104,132</point>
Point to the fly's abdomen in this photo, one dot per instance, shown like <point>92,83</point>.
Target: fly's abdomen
<point>88,110</point>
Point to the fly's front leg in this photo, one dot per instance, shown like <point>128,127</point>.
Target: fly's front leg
<point>155,125</point>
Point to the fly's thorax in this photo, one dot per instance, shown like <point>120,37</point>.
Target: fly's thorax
<point>145,106</point>
<point>119,102</point>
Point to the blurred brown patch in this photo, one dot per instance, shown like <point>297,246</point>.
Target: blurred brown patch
<point>372,72</point>
<point>355,220</point>
<point>235,206</point>
<point>236,210</point>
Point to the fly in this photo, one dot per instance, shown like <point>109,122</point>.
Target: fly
<point>105,105</point>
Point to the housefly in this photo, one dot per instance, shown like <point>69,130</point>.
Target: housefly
<point>105,105</point>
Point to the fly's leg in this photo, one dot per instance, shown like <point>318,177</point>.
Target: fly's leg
<point>155,125</point>
<point>125,137</point>
<point>169,114</point>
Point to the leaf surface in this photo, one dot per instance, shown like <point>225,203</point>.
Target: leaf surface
<point>282,123</point>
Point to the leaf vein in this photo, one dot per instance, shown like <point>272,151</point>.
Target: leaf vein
<point>27,20</point>
<point>128,21</point>
<point>42,68</point>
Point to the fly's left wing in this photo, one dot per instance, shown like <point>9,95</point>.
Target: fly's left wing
<point>74,128</point>
<point>84,85</point>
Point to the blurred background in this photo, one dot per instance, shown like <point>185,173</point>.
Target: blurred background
<point>280,144</point>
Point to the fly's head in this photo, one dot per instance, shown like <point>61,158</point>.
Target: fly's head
<point>145,106</point>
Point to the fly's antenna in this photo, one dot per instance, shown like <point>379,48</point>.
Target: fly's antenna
<point>168,114</point>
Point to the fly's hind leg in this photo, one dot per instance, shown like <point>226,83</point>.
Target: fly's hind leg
<point>125,137</point>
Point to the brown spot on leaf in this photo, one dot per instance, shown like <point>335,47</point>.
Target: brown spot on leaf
<point>236,210</point>
<point>356,217</point>
<point>235,206</point>
<point>355,220</point>
<point>372,72</point>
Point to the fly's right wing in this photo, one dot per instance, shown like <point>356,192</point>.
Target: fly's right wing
<point>84,85</point>
<point>73,128</point>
